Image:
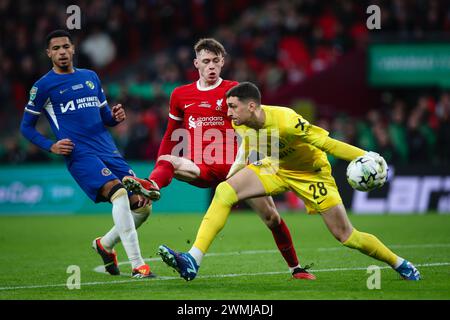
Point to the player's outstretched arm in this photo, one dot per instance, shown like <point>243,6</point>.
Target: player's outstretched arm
<point>341,149</point>
<point>348,152</point>
<point>318,137</point>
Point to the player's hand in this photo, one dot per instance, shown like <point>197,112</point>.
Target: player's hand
<point>118,113</point>
<point>63,147</point>
<point>382,170</point>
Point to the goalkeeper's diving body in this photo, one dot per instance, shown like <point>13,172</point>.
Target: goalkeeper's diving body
<point>299,165</point>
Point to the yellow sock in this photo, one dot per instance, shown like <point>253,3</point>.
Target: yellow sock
<point>216,216</point>
<point>371,246</point>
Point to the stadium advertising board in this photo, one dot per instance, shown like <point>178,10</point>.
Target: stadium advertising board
<point>409,190</point>
<point>39,189</point>
<point>409,65</point>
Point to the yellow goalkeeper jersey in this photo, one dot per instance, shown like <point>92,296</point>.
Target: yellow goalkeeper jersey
<point>301,145</point>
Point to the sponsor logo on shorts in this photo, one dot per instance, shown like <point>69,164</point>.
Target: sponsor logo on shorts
<point>257,163</point>
<point>106,172</point>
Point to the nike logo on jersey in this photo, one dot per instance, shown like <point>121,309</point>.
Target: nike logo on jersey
<point>62,91</point>
<point>319,202</point>
<point>188,105</point>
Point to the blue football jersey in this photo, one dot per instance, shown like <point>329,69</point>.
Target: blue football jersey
<point>76,108</point>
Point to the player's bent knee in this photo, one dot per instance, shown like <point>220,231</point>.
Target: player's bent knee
<point>273,221</point>
<point>346,233</point>
<point>116,191</point>
<point>341,235</point>
<point>271,217</point>
<point>353,240</point>
<point>225,194</point>
<point>175,161</point>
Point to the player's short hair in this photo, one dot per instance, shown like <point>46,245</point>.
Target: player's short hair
<point>210,44</point>
<point>245,91</point>
<point>57,34</point>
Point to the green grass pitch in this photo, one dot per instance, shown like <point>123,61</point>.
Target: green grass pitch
<point>243,262</point>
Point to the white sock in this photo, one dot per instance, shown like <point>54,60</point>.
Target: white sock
<point>399,262</point>
<point>111,238</point>
<point>197,254</point>
<point>291,269</point>
<point>124,224</point>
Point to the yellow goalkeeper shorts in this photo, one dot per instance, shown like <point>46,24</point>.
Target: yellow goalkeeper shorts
<point>317,189</point>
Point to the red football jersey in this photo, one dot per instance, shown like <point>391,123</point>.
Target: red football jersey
<point>203,112</point>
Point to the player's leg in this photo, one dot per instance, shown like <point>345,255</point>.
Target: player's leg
<point>266,209</point>
<point>124,223</point>
<point>169,166</point>
<point>320,195</point>
<point>166,168</point>
<point>337,221</point>
<point>101,184</point>
<point>243,185</point>
<point>140,213</point>
<point>140,209</point>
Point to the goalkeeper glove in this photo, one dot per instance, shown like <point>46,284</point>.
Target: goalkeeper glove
<point>382,170</point>
<point>239,163</point>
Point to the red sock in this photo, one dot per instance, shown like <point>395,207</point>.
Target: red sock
<point>163,173</point>
<point>284,243</point>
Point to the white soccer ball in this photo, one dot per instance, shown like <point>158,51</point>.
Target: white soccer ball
<point>363,174</point>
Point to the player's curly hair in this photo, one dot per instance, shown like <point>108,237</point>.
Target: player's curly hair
<point>211,45</point>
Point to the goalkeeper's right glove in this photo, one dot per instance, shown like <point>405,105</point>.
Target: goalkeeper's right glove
<point>382,170</point>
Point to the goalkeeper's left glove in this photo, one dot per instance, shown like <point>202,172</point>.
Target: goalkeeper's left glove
<point>239,163</point>
<point>382,170</point>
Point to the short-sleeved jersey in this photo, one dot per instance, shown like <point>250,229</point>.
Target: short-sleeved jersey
<point>72,104</point>
<point>203,112</point>
<point>298,141</point>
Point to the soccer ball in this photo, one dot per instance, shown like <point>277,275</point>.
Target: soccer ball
<point>362,173</point>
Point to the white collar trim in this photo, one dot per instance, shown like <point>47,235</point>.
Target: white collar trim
<point>209,87</point>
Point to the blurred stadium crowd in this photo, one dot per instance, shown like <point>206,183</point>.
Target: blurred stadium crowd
<point>142,49</point>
